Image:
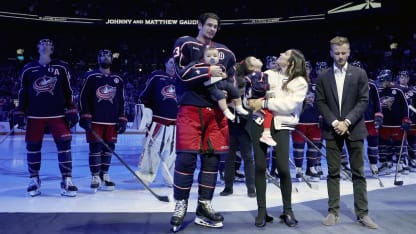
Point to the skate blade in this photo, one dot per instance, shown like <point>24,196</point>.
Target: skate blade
<point>68,193</point>
<point>107,188</point>
<point>176,228</point>
<point>313,178</point>
<point>34,193</point>
<point>208,223</point>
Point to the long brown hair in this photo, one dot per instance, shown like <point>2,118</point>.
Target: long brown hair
<point>296,67</point>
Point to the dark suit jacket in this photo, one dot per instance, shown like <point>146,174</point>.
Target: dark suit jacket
<point>354,101</point>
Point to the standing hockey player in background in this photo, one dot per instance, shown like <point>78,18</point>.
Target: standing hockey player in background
<point>403,78</point>
<point>159,95</point>
<point>45,98</point>
<point>101,106</point>
<point>373,121</point>
<point>396,120</point>
<point>308,125</point>
<point>202,126</point>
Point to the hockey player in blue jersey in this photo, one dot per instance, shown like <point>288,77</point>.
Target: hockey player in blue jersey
<point>159,95</point>
<point>403,78</point>
<point>45,98</point>
<point>309,126</point>
<point>201,125</point>
<point>396,120</point>
<point>101,106</point>
<point>373,120</point>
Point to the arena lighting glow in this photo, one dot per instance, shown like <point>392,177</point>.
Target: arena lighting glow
<point>20,51</point>
<point>348,7</point>
<point>116,55</point>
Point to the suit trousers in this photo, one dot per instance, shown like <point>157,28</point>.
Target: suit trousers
<point>333,153</point>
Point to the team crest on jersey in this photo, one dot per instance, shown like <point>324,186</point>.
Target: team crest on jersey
<point>44,84</point>
<point>106,93</point>
<point>168,91</point>
<point>386,102</point>
<point>221,55</point>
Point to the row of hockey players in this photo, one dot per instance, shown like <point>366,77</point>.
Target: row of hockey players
<point>46,104</point>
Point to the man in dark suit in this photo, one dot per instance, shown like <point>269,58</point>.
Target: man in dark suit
<point>342,98</point>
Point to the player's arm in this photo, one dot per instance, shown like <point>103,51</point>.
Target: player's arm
<point>66,88</point>
<point>23,92</point>
<point>85,100</point>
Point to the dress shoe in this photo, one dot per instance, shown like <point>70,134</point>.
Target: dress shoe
<point>330,220</point>
<point>226,192</point>
<point>289,220</point>
<point>261,221</point>
<point>251,192</point>
<point>367,222</point>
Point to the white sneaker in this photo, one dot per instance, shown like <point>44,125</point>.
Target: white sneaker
<point>267,139</point>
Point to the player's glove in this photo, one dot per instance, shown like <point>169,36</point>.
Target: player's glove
<point>406,124</point>
<point>85,122</point>
<point>71,116</point>
<point>378,120</point>
<point>121,125</point>
<point>18,118</point>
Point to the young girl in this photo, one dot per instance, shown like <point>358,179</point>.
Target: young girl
<point>257,87</point>
<point>211,57</point>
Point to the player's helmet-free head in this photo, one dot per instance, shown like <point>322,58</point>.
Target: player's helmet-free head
<point>105,58</point>
<point>403,73</point>
<point>46,42</point>
<point>385,75</point>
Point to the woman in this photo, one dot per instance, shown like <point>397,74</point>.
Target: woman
<point>290,86</point>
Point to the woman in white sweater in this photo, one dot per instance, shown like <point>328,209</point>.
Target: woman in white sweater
<point>290,86</point>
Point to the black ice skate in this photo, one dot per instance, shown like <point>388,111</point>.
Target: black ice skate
<point>95,183</point>
<point>106,183</point>
<point>68,188</point>
<point>176,220</point>
<point>34,186</point>
<point>206,215</point>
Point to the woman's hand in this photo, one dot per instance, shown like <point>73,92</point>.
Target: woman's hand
<point>255,104</point>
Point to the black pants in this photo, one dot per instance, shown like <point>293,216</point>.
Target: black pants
<point>239,140</point>
<point>282,138</point>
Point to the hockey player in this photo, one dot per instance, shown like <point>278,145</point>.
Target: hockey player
<point>159,95</point>
<point>201,126</point>
<point>403,78</point>
<point>308,125</point>
<point>373,118</point>
<point>45,98</point>
<point>396,120</point>
<point>101,106</point>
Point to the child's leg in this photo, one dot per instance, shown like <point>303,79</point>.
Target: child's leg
<point>222,103</point>
<point>266,136</point>
<point>239,106</point>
